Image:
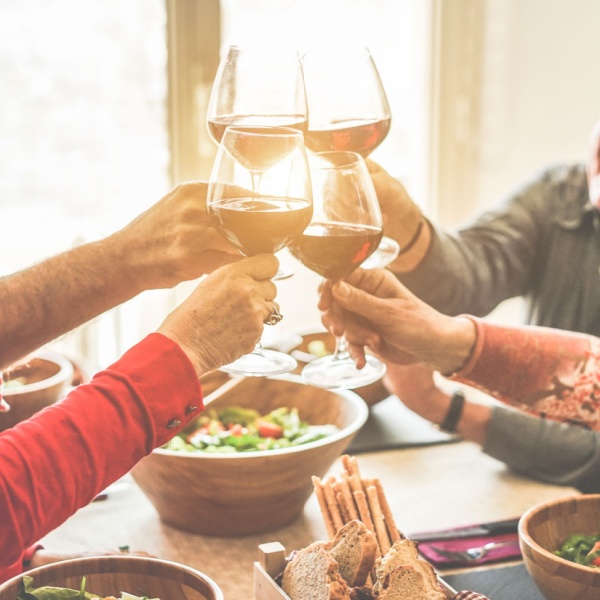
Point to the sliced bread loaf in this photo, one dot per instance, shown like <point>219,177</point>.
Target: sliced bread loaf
<point>355,549</point>
<point>406,583</point>
<point>313,574</point>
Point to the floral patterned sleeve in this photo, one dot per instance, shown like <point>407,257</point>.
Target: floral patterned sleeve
<point>542,371</point>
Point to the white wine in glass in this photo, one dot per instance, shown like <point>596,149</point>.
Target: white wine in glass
<point>345,229</point>
<point>348,111</point>
<point>259,197</point>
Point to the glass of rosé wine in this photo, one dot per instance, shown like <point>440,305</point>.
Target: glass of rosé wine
<point>258,87</point>
<point>259,197</point>
<point>348,110</point>
<point>345,229</point>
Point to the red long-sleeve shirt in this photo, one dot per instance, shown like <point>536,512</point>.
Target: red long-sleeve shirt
<point>56,462</point>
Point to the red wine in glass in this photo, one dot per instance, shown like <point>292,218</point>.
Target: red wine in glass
<point>334,250</point>
<point>256,225</point>
<point>354,135</point>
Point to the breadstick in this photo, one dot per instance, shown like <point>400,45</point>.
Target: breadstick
<point>351,465</point>
<point>355,484</point>
<point>363,509</point>
<point>334,509</point>
<point>380,529</point>
<point>387,513</point>
<point>318,486</point>
<point>344,488</point>
<point>339,498</point>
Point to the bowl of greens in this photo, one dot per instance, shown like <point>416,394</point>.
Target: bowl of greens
<point>245,465</point>
<point>121,577</point>
<point>560,543</point>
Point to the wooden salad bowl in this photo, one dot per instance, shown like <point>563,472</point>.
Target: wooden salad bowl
<point>543,529</point>
<point>251,492</point>
<point>111,575</point>
<point>46,378</point>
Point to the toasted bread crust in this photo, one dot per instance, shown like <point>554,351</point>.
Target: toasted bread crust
<point>355,549</point>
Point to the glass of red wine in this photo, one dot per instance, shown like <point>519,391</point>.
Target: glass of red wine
<point>348,111</point>
<point>255,86</point>
<point>259,197</point>
<point>345,229</point>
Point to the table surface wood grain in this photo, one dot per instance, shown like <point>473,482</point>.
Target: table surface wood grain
<point>429,487</point>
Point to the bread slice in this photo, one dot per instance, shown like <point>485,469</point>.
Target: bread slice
<point>313,574</point>
<point>355,549</point>
<point>405,553</point>
<point>406,583</point>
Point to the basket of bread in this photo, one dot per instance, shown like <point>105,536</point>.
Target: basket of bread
<point>365,558</point>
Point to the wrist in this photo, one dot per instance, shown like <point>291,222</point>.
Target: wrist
<point>457,344</point>
<point>454,413</point>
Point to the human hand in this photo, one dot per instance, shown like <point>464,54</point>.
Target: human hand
<point>378,312</point>
<point>173,240</point>
<point>415,387</point>
<point>223,317</point>
<point>401,216</point>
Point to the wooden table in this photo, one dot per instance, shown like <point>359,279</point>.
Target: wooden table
<point>427,487</point>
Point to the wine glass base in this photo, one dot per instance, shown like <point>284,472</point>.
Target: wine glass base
<point>284,271</point>
<point>261,363</point>
<point>386,253</point>
<point>332,373</point>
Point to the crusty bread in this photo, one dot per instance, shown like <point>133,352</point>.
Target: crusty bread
<point>355,549</point>
<point>406,583</point>
<point>404,553</point>
<point>313,574</point>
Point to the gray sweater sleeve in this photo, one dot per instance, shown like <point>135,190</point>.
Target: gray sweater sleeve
<point>546,450</point>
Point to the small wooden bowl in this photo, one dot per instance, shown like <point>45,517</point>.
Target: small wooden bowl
<point>111,575</point>
<point>251,492</point>
<point>543,529</point>
<point>371,394</point>
<point>46,375</point>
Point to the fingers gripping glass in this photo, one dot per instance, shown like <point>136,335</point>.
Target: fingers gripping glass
<point>259,197</point>
<point>345,230</point>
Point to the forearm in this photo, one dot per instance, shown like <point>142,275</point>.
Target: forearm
<point>47,300</point>
<point>557,453</point>
<point>539,370</point>
<point>105,426</point>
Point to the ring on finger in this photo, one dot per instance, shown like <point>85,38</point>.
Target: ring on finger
<point>275,316</point>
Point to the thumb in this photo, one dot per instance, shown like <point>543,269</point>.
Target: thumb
<point>355,300</point>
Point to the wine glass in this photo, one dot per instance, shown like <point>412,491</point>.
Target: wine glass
<point>258,87</point>
<point>345,230</point>
<point>348,111</point>
<point>259,197</point>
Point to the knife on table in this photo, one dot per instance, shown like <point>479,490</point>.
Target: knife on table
<point>482,529</point>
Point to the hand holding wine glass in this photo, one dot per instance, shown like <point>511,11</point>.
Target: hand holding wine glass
<point>345,230</point>
<point>348,111</point>
<point>259,197</point>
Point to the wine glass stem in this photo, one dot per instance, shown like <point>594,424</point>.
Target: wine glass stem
<point>341,349</point>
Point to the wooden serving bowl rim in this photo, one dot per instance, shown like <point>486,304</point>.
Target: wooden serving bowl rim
<point>96,566</point>
<point>527,540</point>
<point>64,374</point>
<point>354,399</point>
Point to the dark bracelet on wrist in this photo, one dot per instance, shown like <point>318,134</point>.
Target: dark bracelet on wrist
<point>413,240</point>
<point>455,410</point>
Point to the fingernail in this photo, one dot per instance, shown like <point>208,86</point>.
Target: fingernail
<point>342,289</point>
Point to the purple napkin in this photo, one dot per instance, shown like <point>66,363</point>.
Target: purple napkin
<point>512,551</point>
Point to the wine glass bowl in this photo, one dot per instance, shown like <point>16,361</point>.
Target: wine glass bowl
<point>257,87</point>
<point>259,197</point>
<point>348,106</point>
<point>345,230</point>
<point>348,111</point>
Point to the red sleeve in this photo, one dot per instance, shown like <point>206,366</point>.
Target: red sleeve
<point>543,371</point>
<point>56,462</point>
